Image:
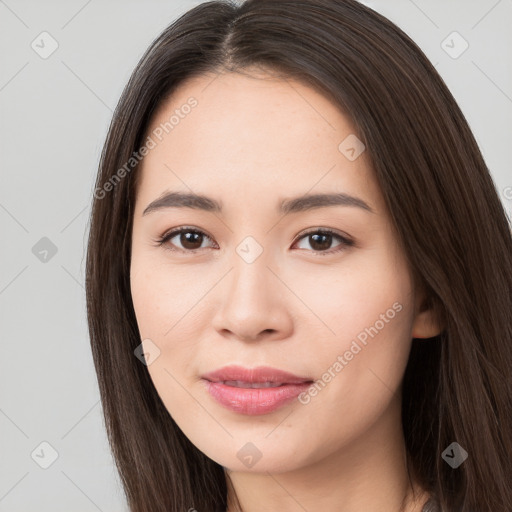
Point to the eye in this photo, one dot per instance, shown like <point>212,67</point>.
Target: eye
<point>320,238</point>
<point>192,239</point>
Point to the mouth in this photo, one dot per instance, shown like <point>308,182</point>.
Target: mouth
<point>253,391</point>
<point>253,385</point>
<point>238,375</point>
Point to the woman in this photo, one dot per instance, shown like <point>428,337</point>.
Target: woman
<point>299,273</point>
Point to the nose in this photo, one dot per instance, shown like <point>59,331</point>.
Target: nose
<point>254,304</point>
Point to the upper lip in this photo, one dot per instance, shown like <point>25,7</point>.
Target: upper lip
<point>258,374</point>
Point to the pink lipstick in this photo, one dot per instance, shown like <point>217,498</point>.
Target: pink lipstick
<point>254,391</point>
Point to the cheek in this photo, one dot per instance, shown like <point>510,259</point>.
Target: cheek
<point>164,316</point>
<point>360,380</point>
<point>366,298</point>
<point>362,335</point>
<point>167,302</point>
<point>163,296</point>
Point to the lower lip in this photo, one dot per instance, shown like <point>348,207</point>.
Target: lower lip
<point>253,401</point>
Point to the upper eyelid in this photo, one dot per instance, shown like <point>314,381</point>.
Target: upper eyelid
<point>301,234</point>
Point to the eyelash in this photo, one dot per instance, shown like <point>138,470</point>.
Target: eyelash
<point>345,242</point>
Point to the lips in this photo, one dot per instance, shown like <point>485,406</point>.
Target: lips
<point>254,391</point>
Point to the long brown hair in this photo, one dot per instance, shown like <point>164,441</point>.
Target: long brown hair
<point>443,203</point>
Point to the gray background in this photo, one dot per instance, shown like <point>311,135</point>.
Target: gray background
<point>54,115</point>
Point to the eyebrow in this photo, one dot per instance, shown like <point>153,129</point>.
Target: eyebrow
<point>292,205</point>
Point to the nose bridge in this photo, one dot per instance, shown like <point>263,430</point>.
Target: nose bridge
<point>249,304</point>
<point>251,274</point>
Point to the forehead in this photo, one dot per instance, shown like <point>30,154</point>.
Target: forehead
<point>251,134</point>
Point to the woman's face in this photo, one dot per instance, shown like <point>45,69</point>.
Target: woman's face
<point>254,285</point>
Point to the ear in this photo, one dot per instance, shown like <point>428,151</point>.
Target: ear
<point>425,324</point>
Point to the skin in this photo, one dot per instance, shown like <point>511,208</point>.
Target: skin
<point>250,142</point>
